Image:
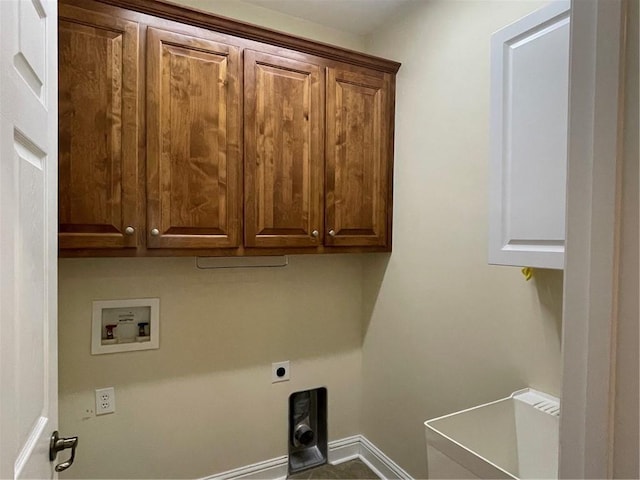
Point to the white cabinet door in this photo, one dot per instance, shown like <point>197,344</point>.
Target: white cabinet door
<point>529,105</point>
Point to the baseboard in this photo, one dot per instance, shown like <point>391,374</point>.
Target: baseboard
<point>382,465</point>
<point>273,469</point>
<point>340,451</point>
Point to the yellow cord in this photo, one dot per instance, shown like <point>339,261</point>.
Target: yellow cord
<point>527,272</point>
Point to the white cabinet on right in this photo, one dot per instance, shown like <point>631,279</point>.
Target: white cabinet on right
<point>529,108</point>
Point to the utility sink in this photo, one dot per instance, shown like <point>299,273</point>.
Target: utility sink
<point>514,437</point>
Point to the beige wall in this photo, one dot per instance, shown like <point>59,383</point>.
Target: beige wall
<point>204,402</point>
<point>444,330</point>
<point>441,331</point>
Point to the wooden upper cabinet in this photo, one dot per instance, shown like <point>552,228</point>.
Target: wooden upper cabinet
<point>194,189</point>
<point>358,158</point>
<point>98,130</point>
<point>184,133</point>
<point>283,164</point>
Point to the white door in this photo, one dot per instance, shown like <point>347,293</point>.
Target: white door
<point>28,231</point>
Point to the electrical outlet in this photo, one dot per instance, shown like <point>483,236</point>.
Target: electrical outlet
<point>105,400</point>
<point>280,372</point>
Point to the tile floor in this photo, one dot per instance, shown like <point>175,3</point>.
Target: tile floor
<point>351,470</point>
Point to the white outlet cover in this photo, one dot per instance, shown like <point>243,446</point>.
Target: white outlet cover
<point>275,378</point>
<point>105,400</point>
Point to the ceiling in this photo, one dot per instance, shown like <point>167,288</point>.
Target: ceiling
<point>356,16</point>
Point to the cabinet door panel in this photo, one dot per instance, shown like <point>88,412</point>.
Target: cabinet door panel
<point>283,152</point>
<point>358,158</point>
<point>193,160</point>
<point>98,130</point>
<point>529,121</point>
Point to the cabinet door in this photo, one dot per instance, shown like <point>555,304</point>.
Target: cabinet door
<point>98,130</point>
<point>358,156</point>
<point>193,138</point>
<point>529,121</point>
<point>283,152</point>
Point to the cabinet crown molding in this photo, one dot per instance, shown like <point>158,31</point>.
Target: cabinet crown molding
<point>199,18</point>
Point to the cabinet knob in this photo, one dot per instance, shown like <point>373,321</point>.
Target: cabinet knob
<point>315,234</point>
<point>129,230</point>
<point>332,233</point>
<point>155,232</point>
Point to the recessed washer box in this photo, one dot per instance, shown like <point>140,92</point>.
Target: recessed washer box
<point>125,325</point>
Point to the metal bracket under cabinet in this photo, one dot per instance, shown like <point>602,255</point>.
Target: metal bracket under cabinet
<point>210,263</point>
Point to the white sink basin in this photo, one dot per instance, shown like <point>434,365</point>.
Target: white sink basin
<point>515,437</point>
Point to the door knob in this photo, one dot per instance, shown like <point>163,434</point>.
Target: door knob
<point>155,232</point>
<point>315,234</point>
<point>58,444</point>
<point>332,233</point>
<point>129,230</point>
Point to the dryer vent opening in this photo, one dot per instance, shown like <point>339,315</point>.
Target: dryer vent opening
<point>307,429</point>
